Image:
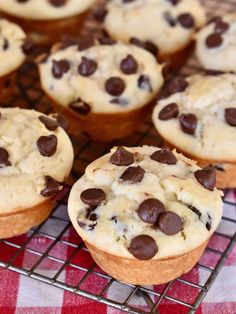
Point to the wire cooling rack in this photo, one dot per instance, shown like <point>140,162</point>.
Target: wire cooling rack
<point>55,245</point>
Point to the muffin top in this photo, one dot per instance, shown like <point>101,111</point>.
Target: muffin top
<point>108,77</point>
<point>216,44</point>
<point>45,9</point>
<point>145,201</point>
<point>12,39</point>
<point>199,116</point>
<point>168,24</point>
<point>35,158</point>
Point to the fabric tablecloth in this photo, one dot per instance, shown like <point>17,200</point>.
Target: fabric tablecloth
<point>20,294</point>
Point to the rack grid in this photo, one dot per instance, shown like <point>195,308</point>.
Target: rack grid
<point>55,242</point>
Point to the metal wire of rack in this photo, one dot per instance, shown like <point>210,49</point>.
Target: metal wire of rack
<point>55,242</point>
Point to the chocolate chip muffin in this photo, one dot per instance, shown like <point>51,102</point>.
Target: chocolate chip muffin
<point>164,27</point>
<point>47,20</point>
<point>198,117</point>
<point>145,213</point>
<point>216,44</point>
<point>12,40</point>
<point>36,157</point>
<point>104,88</point>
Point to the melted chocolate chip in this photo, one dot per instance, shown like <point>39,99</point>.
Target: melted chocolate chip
<point>214,40</point>
<point>4,162</point>
<point>230,116</point>
<point>164,156</point>
<point>133,174</point>
<point>47,145</point>
<point>137,42</point>
<point>129,65</point>
<point>93,197</point>
<point>150,210</point>
<point>145,83</point>
<point>52,187</point>
<point>57,3</point>
<point>213,72</point>
<point>80,107</point>
<point>87,67</point>
<point>169,112</point>
<point>5,45</point>
<point>100,14</point>
<point>143,247</point>
<point>206,177</point>
<point>50,124</point>
<point>59,68</point>
<point>186,20</point>
<point>188,123</point>
<point>170,223</point>
<point>122,157</point>
<point>195,210</point>
<point>115,86</point>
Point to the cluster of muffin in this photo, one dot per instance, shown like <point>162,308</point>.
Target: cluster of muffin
<point>146,214</point>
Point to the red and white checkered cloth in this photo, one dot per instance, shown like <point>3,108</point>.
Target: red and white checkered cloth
<point>20,294</point>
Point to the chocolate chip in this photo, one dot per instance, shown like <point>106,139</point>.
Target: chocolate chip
<point>169,112</point>
<point>186,20</point>
<point>188,123</point>
<point>85,43</point>
<point>119,101</point>
<point>80,107</point>
<point>214,72</point>
<point>177,85</point>
<point>28,46</point>
<point>47,145</point>
<point>150,209</point>
<point>145,83</point>
<point>169,19</point>
<point>230,116</point>
<point>151,47</point>
<point>137,42</point>
<point>133,174</point>
<point>100,14</point>
<point>206,177</point>
<point>221,26</point>
<point>147,45</point>
<point>174,2</point>
<point>164,156</point>
<point>128,1</point>
<point>5,45</point>
<point>214,40</point>
<point>170,223</point>
<point>122,157</point>
<point>57,3</point>
<point>195,210</point>
<point>59,68</point>
<point>68,40</point>
<point>93,197</point>
<point>209,223</point>
<point>143,247</point>
<point>50,124</point>
<point>87,67</point>
<point>106,41</point>
<point>4,162</point>
<point>115,86</point>
<point>129,65</point>
<point>52,187</point>
<point>62,121</point>
<point>22,1</point>
<point>219,168</point>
